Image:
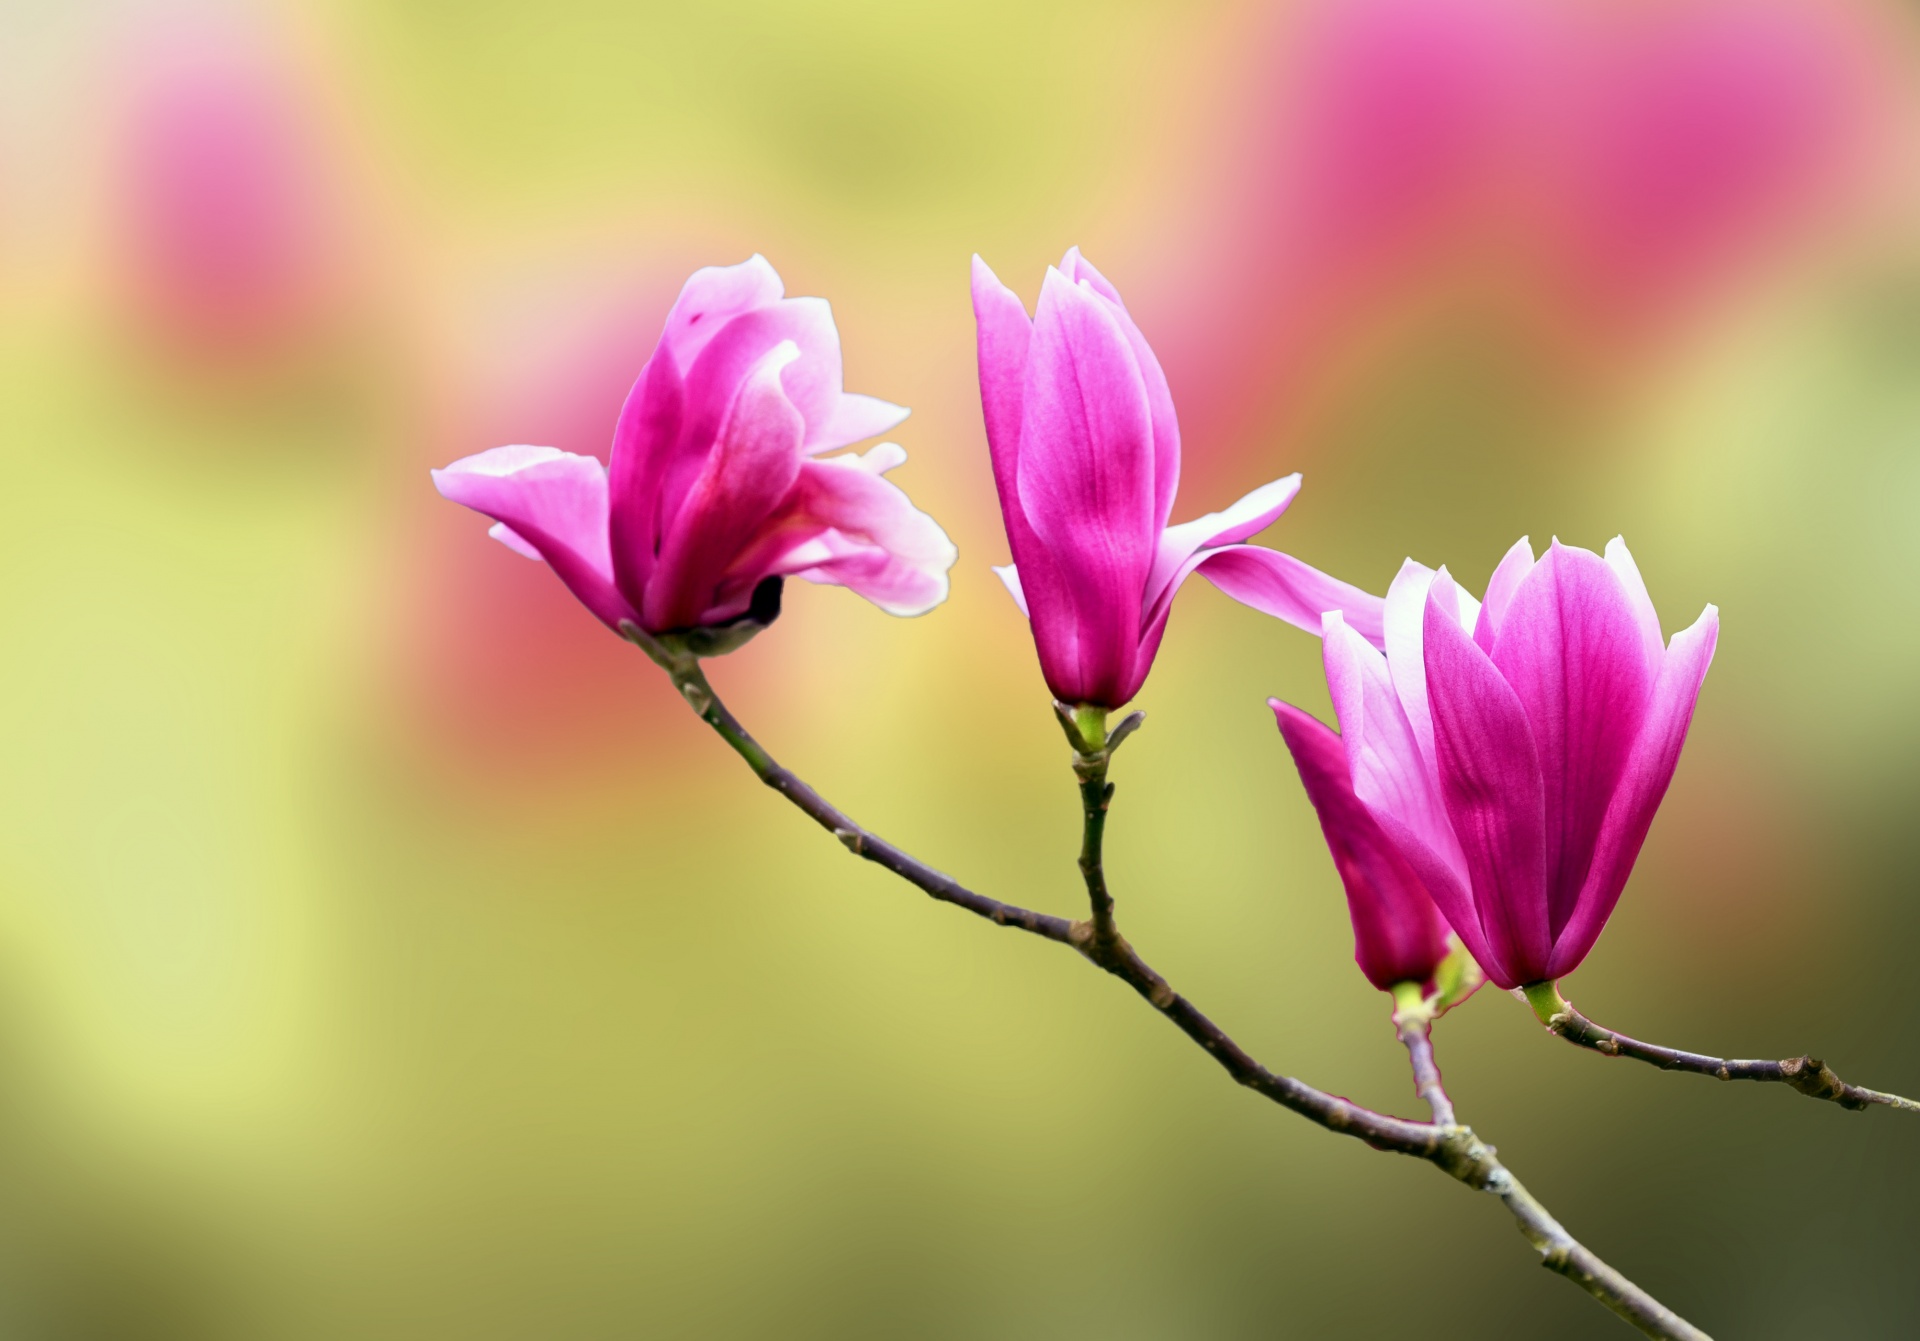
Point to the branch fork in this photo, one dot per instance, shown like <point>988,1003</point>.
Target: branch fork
<point>1443,1142</point>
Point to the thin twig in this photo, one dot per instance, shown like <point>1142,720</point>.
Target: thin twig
<point>1450,1147</point>
<point>1414,1024</point>
<point>1809,1075</point>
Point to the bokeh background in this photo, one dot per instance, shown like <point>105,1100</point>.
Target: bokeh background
<point>384,950</point>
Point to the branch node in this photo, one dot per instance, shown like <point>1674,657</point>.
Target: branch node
<point>854,841</point>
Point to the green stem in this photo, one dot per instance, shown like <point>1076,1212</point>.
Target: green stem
<point>1091,755</point>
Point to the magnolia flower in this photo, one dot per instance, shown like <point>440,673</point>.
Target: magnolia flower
<point>1515,751</point>
<point>716,487</point>
<point>1086,459</point>
<point>1398,935</point>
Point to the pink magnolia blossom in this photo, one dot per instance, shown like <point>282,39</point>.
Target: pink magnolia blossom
<point>227,202</point>
<point>1398,935</point>
<point>716,486</point>
<point>1515,751</point>
<point>1086,459</point>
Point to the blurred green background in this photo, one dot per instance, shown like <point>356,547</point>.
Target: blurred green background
<point>385,952</point>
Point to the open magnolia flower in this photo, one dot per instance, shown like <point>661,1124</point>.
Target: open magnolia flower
<point>716,487</point>
<point>1515,751</point>
<point>1086,459</point>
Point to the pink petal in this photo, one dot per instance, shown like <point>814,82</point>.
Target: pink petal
<point>650,444</point>
<point>847,526</point>
<point>555,505</point>
<point>1391,779</point>
<point>1515,565</point>
<point>514,541</point>
<point>1489,770</point>
<point>1570,650</point>
<point>1009,575</point>
<point>1644,614</point>
<point>1166,424</point>
<point>1287,588</point>
<point>1005,336</point>
<point>1642,786</point>
<point>754,462</point>
<point>1085,477</point>
<point>811,381</point>
<point>711,297</point>
<point>855,419</point>
<point>1178,544</point>
<point>1398,934</point>
<point>646,441</point>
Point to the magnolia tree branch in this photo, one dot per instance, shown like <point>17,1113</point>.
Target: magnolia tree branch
<point>1809,1075</point>
<point>1448,1146</point>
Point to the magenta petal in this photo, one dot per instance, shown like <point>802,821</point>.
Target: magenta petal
<point>855,419</point>
<point>1403,637</point>
<point>1178,544</point>
<point>754,461</point>
<point>514,541</point>
<point>1642,786</point>
<point>1513,566</point>
<point>1635,586</point>
<point>1085,477</point>
<point>1391,779</point>
<point>1489,770</point>
<point>1570,649</point>
<point>1166,423</point>
<point>848,526</point>
<point>811,381</point>
<point>646,440</point>
<point>1285,587</point>
<point>1398,934</point>
<point>555,504</point>
<point>1005,336</point>
<point>711,297</point>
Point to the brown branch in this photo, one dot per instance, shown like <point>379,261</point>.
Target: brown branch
<point>1809,1075</point>
<point>1450,1147</point>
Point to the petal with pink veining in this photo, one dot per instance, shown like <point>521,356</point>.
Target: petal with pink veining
<point>1166,423</point>
<point>1489,772</point>
<point>846,525</point>
<point>755,460</point>
<point>1570,650</point>
<point>1389,776</point>
<point>1642,786</point>
<point>1635,586</point>
<point>1399,936</point>
<point>856,418</point>
<point>1247,517</point>
<point>1513,566</point>
<point>1085,475</point>
<point>1403,620</point>
<point>1005,336</point>
<point>1287,588</point>
<point>712,296</point>
<point>553,503</point>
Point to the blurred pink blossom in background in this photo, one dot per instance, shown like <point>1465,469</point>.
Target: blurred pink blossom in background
<point>229,211</point>
<point>1607,170</point>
